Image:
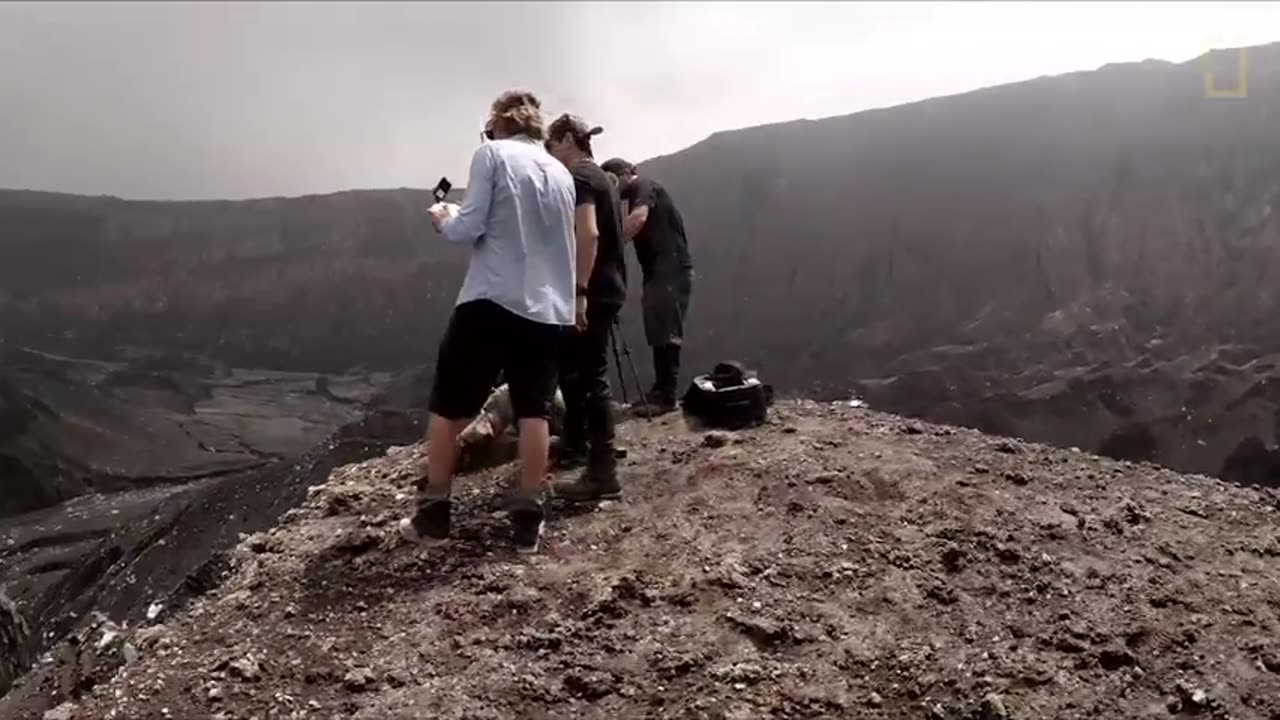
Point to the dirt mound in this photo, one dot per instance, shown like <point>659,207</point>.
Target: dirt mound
<point>836,563</point>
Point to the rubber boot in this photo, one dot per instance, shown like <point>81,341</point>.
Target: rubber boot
<point>666,369</point>
<point>600,480</point>
<point>568,455</point>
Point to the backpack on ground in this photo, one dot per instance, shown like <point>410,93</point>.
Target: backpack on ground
<point>729,397</point>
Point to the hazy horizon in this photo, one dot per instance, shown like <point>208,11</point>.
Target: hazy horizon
<point>227,101</point>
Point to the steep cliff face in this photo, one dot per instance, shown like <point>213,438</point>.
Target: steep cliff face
<point>1065,259</point>
<point>317,283</point>
<point>1040,214</point>
<point>14,643</point>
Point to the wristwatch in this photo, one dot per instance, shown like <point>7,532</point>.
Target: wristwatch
<point>582,291</point>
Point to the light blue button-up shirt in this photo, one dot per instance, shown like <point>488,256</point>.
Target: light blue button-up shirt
<point>518,217</point>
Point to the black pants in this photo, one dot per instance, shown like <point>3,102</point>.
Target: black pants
<point>584,381</point>
<point>665,304</point>
<point>483,339</point>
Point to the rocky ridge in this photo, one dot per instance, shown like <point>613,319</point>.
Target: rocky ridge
<point>838,562</point>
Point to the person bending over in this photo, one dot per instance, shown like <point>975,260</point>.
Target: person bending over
<point>656,229</point>
<point>589,423</point>
<point>514,308</point>
<point>493,437</point>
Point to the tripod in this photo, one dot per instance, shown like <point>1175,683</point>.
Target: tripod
<point>614,332</point>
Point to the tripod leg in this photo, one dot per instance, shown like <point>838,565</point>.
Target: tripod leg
<point>626,350</point>
<point>617,363</point>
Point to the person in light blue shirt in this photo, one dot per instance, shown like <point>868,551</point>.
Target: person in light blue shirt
<point>518,217</point>
<point>517,304</point>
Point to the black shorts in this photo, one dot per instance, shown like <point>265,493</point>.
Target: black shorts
<point>484,338</point>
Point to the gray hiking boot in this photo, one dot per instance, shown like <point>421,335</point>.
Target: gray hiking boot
<point>598,483</point>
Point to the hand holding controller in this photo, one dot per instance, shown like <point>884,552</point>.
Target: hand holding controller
<point>441,210</point>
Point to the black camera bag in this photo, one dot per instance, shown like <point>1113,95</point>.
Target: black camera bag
<point>729,397</point>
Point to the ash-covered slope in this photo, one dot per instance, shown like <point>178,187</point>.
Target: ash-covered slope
<point>835,563</point>
<point>73,426</point>
<point>69,427</point>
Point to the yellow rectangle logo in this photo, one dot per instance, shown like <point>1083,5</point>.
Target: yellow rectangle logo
<point>1241,88</point>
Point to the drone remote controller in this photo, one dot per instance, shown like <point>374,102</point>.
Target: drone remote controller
<point>442,189</point>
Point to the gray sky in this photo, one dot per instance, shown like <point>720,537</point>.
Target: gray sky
<point>233,100</point>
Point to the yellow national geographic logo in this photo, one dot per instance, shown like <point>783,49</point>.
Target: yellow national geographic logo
<point>1226,86</point>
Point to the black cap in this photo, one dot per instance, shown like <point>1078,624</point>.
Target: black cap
<point>574,125</point>
<point>618,166</point>
<point>576,128</point>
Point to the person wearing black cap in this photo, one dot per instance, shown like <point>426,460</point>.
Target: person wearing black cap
<point>589,423</point>
<point>656,228</point>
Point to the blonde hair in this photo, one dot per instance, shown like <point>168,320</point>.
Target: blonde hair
<point>518,112</point>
